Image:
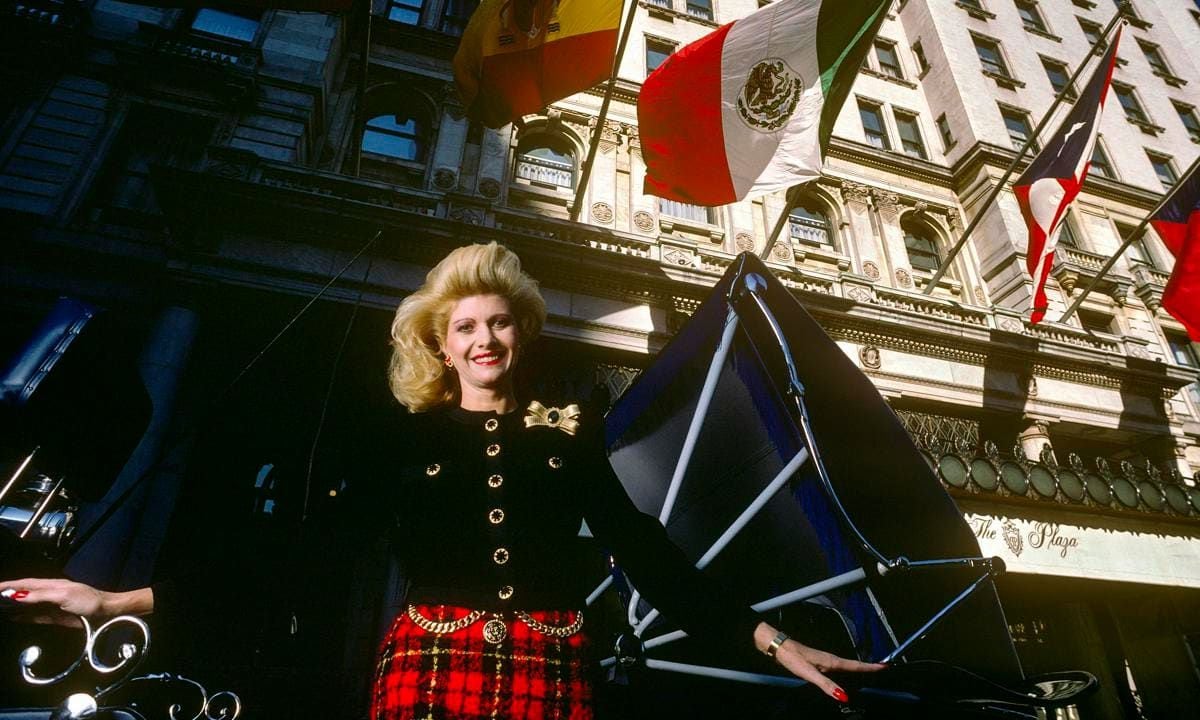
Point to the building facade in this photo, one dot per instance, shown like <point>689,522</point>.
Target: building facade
<point>201,173</point>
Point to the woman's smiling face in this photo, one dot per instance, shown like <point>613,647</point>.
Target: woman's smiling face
<point>482,342</point>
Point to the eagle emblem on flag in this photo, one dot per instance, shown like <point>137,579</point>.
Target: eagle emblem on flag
<point>769,95</point>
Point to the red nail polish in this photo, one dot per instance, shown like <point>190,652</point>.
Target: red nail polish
<point>840,694</point>
<point>20,595</point>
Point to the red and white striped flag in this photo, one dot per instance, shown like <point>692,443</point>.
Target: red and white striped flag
<point>1056,175</point>
<point>749,108</point>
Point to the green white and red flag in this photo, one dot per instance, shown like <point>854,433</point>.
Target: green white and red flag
<point>750,107</point>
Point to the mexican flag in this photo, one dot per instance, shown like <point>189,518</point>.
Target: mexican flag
<point>518,56</point>
<point>750,107</point>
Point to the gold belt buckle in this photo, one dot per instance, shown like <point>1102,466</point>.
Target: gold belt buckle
<point>495,630</point>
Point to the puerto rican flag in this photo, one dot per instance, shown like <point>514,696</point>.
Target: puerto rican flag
<point>1178,224</point>
<point>1054,178</point>
<point>749,108</point>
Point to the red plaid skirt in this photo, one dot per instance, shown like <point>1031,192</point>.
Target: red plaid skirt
<point>460,676</point>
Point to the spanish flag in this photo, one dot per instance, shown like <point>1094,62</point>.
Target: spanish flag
<point>518,56</point>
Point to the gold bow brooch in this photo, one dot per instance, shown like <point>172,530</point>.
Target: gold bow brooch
<point>562,418</point>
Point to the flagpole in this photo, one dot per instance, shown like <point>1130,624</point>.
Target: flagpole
<point>608,90</point>
<point>1128,241</point>
<point>361,93</point>
<point>788,206</point>
<point>1097,49</point>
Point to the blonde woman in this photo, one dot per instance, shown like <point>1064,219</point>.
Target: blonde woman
<point>488,511</point>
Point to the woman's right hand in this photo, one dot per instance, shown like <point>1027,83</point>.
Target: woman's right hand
<point>811,664</point>
<point>57,601</point>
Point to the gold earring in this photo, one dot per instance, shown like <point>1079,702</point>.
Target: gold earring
<point>449,362</point>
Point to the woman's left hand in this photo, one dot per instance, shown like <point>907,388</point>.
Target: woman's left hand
<point>57,601</point>
<point>811,664</point>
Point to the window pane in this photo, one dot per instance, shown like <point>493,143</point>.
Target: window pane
<point>1100,164</point>
<point>656,52</point>
<point>225,25</point>
<point>405,11</point>
<point>809,225</point>
<point>943,126</point>
<point>1164,169</point>
<point>1187,116</point>
<point>1030,16</point>
<point>889,64</point>
<point>1066,234</point>
<point>684,211</point>
<point>700,9</point>
<point>394,136</point>
<point>1018,126</point>
<point>1181,351</point>
<point>989,55</point>
<point>919,54</point>
<point>1058,75</point>
<point>1090,30</point>
<point>922,251</point>
<point>910,135</point>
<point>873,128</point>
<point>1129,101</point>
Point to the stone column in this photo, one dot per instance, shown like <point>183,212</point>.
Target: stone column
<point>773,206</point>
<point>601,197</point>
<point>642,207</point>
<point>856,199</point>
<point>451,140</point>
<point>887,215</point>
<point>493,160</point>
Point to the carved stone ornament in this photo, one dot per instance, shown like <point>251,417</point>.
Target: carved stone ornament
<point>979,296</point>
<point>781,252</point>
<point>643,221</point>
<point>444,178</point>
<point>1139,352</point>
<point>489,187</point>
<point>469,216</point>
<point>904,278</point>
<point>859,294</point>
<point>857,195</point>
<point>602,213</point>
<point>1012,325</point>
<point>676,256</point>
<point>871,270</point>
<point>869,355</point>
<point>1031,388</point>
<point>991,451</point>
<point>744,242</point>
<point>887,203</point>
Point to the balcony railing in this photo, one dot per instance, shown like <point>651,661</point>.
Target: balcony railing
<point>546,172</point>
<point>683,211</point>
<point>809,231</point>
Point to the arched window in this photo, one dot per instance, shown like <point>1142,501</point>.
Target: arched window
<point>921,245</point>
<point>546,160</point>
<point>403,136</point>
<point>809,224</point>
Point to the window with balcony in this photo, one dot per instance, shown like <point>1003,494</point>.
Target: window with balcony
<point>1183,352</point>
<point>656,52</point>
<point>1019,130</point>
<point>407,12</point>
<point>873,126</point>
<point>1100,164</point>
<point>919,53</point>
<point>700,9</point>
<point>227,26</point>
<point>809,224</point>
<point>1066,233</point>
<point>1059,76</point>
<point>455,15</point>
<point>1164,169</point>
<point>909,129</point>
<point>990,56</point>
<point>1097,322</point>
<point>921,246</point>
<point>943,126</point>
<point>889,61</point>
<point>1130,103</point>
<point>1187,116</point>
<point>695,214</point>
<point>547,161</point>
<point>1031,17</point>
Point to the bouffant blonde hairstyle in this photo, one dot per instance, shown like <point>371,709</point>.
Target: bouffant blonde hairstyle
<point>417,375</point>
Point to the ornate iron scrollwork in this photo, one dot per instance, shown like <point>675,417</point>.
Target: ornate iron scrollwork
<point>223,705</point>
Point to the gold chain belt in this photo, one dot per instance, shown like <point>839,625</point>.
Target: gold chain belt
<point>495,629</point>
